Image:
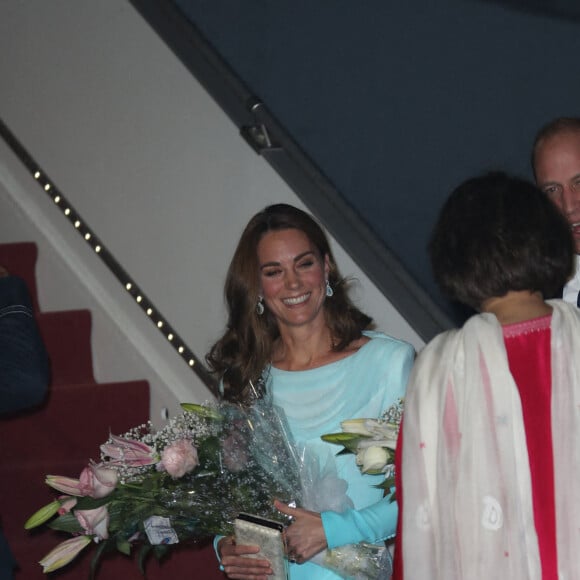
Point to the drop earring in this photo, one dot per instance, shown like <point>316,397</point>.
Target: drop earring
<point>329,290</point>
<point>260,306</point>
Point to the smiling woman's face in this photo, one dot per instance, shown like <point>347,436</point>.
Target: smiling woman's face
<point>292,277</point>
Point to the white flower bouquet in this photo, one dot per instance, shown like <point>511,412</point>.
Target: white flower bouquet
<point>373,441</point>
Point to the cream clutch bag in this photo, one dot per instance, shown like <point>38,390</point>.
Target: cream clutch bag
<point>252,530</point>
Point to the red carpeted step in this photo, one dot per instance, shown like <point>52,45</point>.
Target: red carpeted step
<point>17,505</point>
<point>28,547</point>
<point>73,422</point>
<point>67,336</point>
<point>59,439</point>
<point>62,435</point>
<point>20,260</point>
<point>190,561</point>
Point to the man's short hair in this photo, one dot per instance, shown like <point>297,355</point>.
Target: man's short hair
<point>552,128</point>
<point>496,234</point>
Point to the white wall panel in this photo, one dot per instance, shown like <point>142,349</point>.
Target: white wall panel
<point>155,168</point>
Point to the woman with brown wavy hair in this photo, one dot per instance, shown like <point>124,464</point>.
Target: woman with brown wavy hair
<point>291,320</point>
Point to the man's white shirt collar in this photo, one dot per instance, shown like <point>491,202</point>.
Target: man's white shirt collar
<point>572,288</point>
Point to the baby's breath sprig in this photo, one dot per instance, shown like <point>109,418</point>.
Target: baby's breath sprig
<point>394,413</point>
<point>187,425</point>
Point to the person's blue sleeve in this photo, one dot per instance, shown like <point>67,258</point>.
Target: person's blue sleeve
<point>377,521</point>
<point>215,547</point>
<point>24,366</point>
<point>397,376</point>
<point>371,524</point>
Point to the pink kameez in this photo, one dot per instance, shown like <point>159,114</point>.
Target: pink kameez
<point>528,351</point>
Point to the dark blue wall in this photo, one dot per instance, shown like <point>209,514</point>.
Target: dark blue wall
<point>397,102</point>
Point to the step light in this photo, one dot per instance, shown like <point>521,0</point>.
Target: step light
<point>108,259</point>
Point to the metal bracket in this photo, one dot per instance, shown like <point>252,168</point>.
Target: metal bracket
<point>258,137</point>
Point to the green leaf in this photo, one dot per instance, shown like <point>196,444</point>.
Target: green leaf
<point>341,438</point>
<point>348,440</point>
<point>386,486</point>
<point>209,453</point>
<point>160,550</point>
<point>124,546</point>
<point>42,515</point>
<point>66,523</point>
<point>89,503</point>
<point>143,553</point>
<point>373,471</point>
<point>102,547</point>
<point>345,451</point>
<point>202,411</point>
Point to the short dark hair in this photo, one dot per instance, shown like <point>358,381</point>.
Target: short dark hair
<point>497,233</point>
<point>551,129</point>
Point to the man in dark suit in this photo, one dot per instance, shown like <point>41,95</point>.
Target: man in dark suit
<point>556,165</point>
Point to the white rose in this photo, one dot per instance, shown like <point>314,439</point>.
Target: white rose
<point>372,459</point>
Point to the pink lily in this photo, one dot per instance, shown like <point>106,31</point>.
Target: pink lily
<point>95,481</point>
<point>66,504</point>
<point>64,553</point>
<point>67,485</point>
<point>95,522</point>
<point>129,452</point>
<point>98,481</point>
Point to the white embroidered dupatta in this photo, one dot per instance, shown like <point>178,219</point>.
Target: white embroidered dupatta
<point>467,501</point>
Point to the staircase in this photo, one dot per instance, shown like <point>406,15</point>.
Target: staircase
<point>62,435</point>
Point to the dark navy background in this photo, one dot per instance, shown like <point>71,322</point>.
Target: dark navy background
<point>397,102</point>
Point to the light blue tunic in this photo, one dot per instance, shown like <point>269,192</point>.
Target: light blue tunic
<point>315,401</point>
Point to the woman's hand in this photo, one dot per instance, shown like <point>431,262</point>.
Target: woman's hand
<point>237,565</point>
<point>305,535</point>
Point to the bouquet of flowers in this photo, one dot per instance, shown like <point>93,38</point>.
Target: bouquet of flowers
<point>373,441</point>
<point>189,481</point>
<point>186,481</point>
